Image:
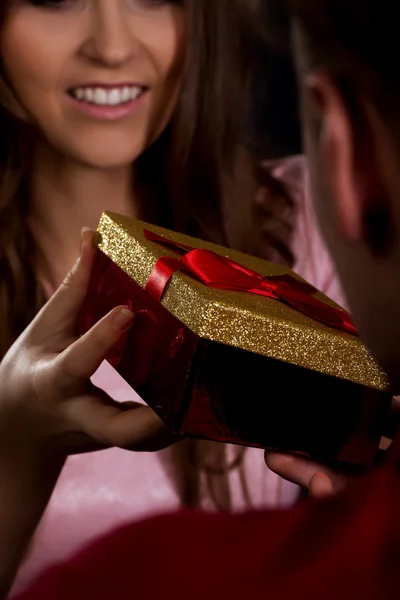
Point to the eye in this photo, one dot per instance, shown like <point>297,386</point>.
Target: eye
<point>53,3</point>
<point>67,3</point>
<point>156,2</point>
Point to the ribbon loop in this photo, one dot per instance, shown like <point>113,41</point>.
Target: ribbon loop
<point>216,271</point>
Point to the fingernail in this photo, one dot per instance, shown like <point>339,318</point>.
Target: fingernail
<point>84,231</point>
<point>320,486</point>
<point>84,238</point>
<point>320,474</point>
<point>123,319</point>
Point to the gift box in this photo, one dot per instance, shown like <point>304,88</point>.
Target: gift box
<point>243,350</point>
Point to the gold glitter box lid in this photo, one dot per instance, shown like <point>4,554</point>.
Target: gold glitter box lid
<point>243,320</point>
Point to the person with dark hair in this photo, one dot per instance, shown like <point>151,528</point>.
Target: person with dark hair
<point>349,84</point>
<point>138,107</point>
<point>344,546</point>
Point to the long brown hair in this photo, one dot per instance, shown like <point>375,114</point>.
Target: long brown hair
<point>205,186</point>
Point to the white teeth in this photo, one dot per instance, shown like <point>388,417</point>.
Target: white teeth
<point>125,94</point>
<point>100,97</point>
<point>108,97</point>
<point>136,91</point>
<point>114,97</point>
<point>89,95</point>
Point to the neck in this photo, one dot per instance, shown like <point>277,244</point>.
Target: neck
<point>66,196</point>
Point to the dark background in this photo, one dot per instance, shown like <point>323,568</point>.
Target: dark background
<point>274,125</point>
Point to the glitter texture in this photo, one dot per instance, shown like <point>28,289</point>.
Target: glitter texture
<point>243,320</point>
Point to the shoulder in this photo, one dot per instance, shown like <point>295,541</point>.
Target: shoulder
<point>254,554</point>
<point>172,555</point>
<point>292,173</point>
<point>312,259</point>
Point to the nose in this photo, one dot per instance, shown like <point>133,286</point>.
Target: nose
<point>111,41</point>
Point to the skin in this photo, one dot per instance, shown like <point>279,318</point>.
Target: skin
<point>351,170</point>
<point>49,408</point>
<point>354,170</point>
<point>82,165</point>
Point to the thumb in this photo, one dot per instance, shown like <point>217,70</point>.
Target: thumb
<point>320,486</point>
<point>57,319</point>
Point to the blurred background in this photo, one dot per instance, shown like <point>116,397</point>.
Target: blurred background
<point>274,125</point>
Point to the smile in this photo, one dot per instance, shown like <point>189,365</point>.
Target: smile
<point>107,96</point>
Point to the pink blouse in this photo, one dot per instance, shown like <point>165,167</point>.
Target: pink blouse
<point>312,259</point>
<point>101,491</point>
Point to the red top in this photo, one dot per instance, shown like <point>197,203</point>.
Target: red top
<point>342,548</point>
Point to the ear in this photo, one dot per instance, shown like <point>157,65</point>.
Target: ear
<point>351,144</point>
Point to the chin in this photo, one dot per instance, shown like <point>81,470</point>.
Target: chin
<point>106,163</point>
<point>105,159</point>
<point>105,153</point>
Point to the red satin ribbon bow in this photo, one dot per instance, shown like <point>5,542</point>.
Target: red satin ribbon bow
<point>219,272</point>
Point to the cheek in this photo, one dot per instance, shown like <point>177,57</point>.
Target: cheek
<point>165,45</point>
<point>33,61</point>
<point>21,55</point>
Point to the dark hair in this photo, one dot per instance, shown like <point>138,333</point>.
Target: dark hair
<point>205,184</point>
<point>276,130</point>
<point>356,40</point>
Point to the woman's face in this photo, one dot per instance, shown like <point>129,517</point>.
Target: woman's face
<point>99,78</point>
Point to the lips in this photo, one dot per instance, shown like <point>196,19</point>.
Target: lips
<point>105,95</point>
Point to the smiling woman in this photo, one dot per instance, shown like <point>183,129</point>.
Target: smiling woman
<point>75,65</point>
<point>138,107</point>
